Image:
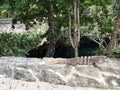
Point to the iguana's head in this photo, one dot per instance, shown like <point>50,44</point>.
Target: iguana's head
<point>99,59</point>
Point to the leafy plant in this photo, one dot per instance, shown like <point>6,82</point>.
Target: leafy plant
<point>116,49</point>
<point>18,44</point>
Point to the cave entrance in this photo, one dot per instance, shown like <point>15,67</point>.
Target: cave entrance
<point>86,48</point>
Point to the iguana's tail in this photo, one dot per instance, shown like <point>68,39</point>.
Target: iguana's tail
<point>55,62</point>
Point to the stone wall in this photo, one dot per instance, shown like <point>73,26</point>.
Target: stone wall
<point>31,70</point>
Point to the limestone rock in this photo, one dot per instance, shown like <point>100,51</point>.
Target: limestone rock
<point>30,69</point>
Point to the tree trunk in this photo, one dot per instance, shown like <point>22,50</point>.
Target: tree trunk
<point>76,52</point>
<point>75,38</point>
<point>76,27</point>
<point>52,44</point>
<point>113,40</point>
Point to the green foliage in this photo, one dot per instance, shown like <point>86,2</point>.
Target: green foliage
<point>97,20</point>
<point>18,44</point>
<point>92,13</point>
<point>115,52</point>
<point>116,49</point>
<point>98,14</point>
<point>96,17</point>
<point>4,6</point>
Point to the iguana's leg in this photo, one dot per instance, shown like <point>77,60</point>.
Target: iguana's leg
<point>96,66</point>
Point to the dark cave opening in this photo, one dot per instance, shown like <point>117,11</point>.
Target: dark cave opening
<point>86,48</point>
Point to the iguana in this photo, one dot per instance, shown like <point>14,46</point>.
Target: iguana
<point>87,60</point>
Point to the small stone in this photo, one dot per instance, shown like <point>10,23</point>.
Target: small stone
<point>114,83</point>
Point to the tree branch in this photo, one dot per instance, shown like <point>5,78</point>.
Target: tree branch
<point>70,35</point>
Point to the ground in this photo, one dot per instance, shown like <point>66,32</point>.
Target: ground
<point>11,84</point>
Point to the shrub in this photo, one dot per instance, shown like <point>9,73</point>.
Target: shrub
<point>18,44</point>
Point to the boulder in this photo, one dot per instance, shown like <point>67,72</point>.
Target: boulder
<point>107,76</point>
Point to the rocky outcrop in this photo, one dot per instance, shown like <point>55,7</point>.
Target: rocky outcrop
<point>30,69</point>
<point>6,23</point>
